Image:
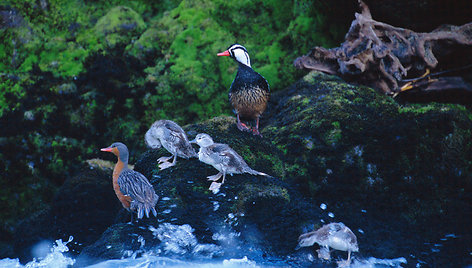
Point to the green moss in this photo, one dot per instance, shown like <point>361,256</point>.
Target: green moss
<point>119,26</point>
<point>146,45</point>
<point>11,95</point>
<point>251,193</point>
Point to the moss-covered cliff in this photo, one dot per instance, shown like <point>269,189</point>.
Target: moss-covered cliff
<point>77,75</point>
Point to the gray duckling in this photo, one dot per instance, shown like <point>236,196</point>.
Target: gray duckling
<point>221,157</point>
<point>131,187</point>
<point>172,137</point>
<point>334,235</point>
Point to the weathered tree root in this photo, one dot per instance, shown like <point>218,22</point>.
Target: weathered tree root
<point>382,56</point>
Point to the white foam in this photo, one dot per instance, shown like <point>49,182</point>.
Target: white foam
<point>54,259</point>
<point>372,262</point>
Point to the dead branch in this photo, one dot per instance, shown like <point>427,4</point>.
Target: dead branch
<point>381,56</point>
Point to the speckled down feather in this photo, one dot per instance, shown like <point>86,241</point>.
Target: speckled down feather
<point>171,136</point>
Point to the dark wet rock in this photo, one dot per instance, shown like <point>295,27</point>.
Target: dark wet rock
<point>83,208</point>
<point>406,165</point>
<point>386,170</point>
<point>258,212</point>
<point>398,175</point>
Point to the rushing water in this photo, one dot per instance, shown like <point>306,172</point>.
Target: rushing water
<point>175,239</point>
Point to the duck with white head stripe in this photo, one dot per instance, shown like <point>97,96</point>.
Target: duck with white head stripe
<point>249,92</point>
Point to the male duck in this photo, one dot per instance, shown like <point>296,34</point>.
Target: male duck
<point>249,92</point>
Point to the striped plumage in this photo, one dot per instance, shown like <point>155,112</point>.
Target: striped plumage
<point>172,137</point>
<point>131,187</point>
<point>249,93</point>
<point>143,197</point>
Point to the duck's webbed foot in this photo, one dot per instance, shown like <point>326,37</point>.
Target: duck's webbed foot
<point>215,177</point>
<point>323,253</point>
<point>215,187</point>
<point>347,262</point>
<point>255,131</point>
<point>164,159</point>
<point>165,165</point>
<point>241,126</point>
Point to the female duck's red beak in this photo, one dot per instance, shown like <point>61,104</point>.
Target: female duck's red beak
<point>108,149</point>
<point>225,53</point>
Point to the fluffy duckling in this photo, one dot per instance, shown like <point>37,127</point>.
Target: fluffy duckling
<point>221,157</point>
<point>172,137</point>
<point>131,187</point>
<point>333,235</point>
<point>249,93</point>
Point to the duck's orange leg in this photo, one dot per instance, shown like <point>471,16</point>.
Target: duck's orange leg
<point>241,126</point>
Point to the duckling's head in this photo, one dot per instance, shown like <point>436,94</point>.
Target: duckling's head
<point>203,140</point>
<point>152,137</point>
<point>118,149</point>
<point>237,52</point>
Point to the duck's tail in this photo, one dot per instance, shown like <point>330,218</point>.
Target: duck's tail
<point>255,172</point>
<point>143,208</point>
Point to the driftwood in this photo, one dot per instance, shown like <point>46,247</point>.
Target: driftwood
<point>383,57</point>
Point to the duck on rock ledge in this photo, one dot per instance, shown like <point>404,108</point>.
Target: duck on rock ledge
<point>131,187</point>
<point>249,92</point>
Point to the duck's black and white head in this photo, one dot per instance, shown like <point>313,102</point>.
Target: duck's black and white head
<point>237,52</point>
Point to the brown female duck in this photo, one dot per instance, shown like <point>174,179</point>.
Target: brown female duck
<point>131,187</point>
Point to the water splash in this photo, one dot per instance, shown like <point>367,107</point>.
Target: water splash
<point>374,262</point>
<point>179,239</point>
<point>155,261</point>
<point>54,259</point>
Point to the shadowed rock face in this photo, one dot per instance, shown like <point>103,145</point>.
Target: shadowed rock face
<point>84,207</point>
<point>398,172</point>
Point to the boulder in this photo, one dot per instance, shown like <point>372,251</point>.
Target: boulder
<point>398,175</point>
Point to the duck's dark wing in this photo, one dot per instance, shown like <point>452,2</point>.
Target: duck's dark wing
<point>227,156</point>
<point>248,79</point>
<point>178,139</point>
<point>135,185</point>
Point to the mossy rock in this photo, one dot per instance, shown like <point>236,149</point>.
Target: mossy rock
<point>147,46</point>
<point>357,150</point>
<point>334,132</point>
<point>119,26</point>
<point>244,204</point>
<point>365,156</point>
